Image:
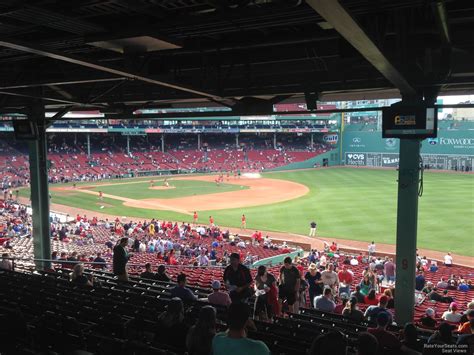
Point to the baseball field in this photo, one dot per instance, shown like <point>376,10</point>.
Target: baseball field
<point>346,203</point>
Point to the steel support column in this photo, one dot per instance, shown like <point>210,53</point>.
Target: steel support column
<point>88,145</point>
<point>312,140</point>
<point>274,141</point>
<point>128,145</point>
<point>39,189</point>
<point>163,143</point>
<point>237,140</point>
<point>199,141</point>
<point>407,222</point>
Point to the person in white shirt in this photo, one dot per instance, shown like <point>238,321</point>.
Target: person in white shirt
<point>451,314</point>
<point>371,248</point>
<point>203,260</point>
<point>354,261</point>
<point>448,260</point>
<point>322,261</point>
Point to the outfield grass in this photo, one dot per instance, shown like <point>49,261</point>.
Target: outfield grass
<point>356,204</point>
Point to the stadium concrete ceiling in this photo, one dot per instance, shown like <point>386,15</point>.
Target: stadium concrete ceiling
<point>120,55</point>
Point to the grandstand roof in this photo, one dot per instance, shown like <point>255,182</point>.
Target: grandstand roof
<point>121,55</point>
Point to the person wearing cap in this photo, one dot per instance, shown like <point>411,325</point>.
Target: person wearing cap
<point>386,340</point>
<point>217,297</point>
<point>468,338</point>
<point>470,306</point>
<point>428,320</point>
<point>451,315</point>
<point>372,312</point>
<point>237,278</point>
<point>444,334</point>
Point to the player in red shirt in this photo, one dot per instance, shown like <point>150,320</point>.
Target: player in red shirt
<point>243,222</point>
<point>101,195</point>
<point>195,217</point>
<point>211,221</point>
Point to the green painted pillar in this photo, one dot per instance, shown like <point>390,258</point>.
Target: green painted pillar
<point>39,189</point>
<point>407,222</point>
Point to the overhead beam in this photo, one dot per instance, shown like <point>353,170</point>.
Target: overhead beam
<point>30,48</point>
<point>59,83</point>
<point>441,17</point>
<point>62,101</point>
<point>333,12</point>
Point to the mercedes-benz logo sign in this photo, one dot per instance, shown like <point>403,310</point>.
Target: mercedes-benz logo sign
<point>356,140</point>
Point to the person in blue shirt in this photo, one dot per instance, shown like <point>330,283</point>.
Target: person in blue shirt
<point>235,341</point>
<point>420,281</point>
<point>181,291</point>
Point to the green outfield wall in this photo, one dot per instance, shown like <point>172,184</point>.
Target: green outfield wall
<point>452,150</point>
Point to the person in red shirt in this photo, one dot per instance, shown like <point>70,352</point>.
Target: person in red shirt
<point>345,280</point>
<point>211,221</point>
<point>333,247</point>
<point>371,298</point>
<point>243,223</point>
<point>359,258</point>
<point>195,217</point>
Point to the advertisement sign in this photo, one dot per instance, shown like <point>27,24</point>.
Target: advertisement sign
<point>331,138</point>
<point>356,159</point>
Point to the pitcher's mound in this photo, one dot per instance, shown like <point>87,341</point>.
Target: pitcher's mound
<point>162,187</point>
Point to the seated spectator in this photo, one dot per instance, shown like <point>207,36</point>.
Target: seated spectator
<point>161,275</point>
<point>386,340</point>
<point>444,335</point>
<point>470,306</point>
<point>410,338</point>
<point>357,294</point>
<point>328,344</point>
<point>352,312</point>
<point>465,327</point>
<point>428,288</point>
<point>200,335</point>
<point>391,299</point>
<point>463,286</point>
<point>433,266</point>
<point>181,291</point>
<point>366,284</point>
<point>371,298</point>
<point>372,312</point>
<point>235,341</point>
<point>442,283</point>
<point>172,328</point>
<point>344,298</point>
<point>451,315</point>
<point>367,344</point>
<point>428,320</point>
<point>147,274</point>
<point>420,281</point>
<point>325,301</point>
<point>435,296</point>
<point>468,338</point>
<point>99,260</point>
<point>78,276</point>
<point>217,297</point>
<point>6,264</point>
